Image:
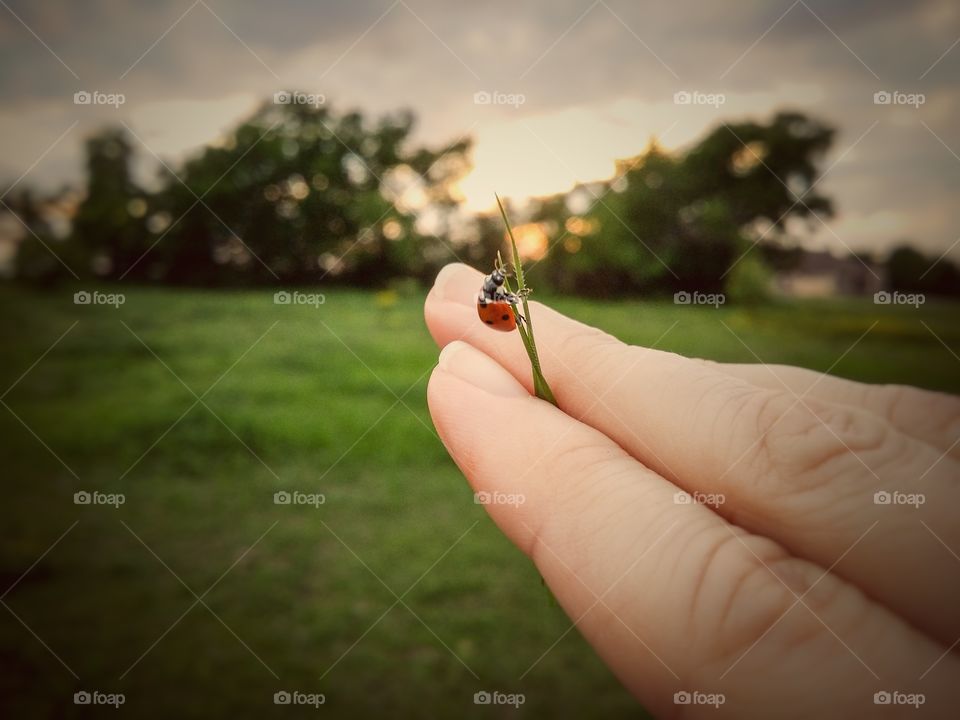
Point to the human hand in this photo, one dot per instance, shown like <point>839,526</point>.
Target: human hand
<point>799,595</point>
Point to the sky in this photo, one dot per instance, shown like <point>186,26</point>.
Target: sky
<point>551,91</point>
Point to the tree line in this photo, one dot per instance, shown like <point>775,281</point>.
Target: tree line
<point>298,194</point>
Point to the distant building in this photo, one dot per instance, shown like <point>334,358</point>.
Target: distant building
<point>822,274</point>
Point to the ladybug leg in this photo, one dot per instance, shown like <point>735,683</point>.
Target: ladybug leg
<point>514,298</point>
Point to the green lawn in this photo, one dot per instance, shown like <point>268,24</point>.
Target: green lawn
<point>291,407</point>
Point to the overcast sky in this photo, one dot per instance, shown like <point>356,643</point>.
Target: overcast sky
<point>597,80</point>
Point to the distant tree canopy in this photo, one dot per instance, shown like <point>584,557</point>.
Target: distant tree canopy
<point>107,230</point>
<point>669,222</point>
<point>295,193</point>
<point>910,271</point>
<point>298,193</point>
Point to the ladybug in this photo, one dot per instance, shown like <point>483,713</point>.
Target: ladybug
<point>495,305</point>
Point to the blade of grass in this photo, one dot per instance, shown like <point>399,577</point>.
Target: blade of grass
<point>525,326</point>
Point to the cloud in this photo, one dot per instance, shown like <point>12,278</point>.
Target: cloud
<point>598,81</point>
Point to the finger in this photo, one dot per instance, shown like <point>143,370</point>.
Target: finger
<point>931,417</point>
<point>802,472</point>
<point>670,595</point>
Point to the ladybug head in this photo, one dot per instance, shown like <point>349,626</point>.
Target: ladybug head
<point>498,277</point>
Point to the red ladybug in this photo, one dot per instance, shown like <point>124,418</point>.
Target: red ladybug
<point>495,304</point>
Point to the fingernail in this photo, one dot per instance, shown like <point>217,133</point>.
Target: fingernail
<point>445,287</point>
<point>469,364</point>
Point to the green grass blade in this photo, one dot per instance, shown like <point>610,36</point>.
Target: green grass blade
<point>540,385</point>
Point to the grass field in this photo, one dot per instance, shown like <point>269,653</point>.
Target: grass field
<point>320,400</point>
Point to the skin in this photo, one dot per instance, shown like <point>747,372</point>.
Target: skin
<point>795,594</point>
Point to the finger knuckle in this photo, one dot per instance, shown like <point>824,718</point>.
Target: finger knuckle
<point>582,466</point>
<point>899,404</point>
<point>583,346</point>
<point>803,444</point>
<point>753,593</point>
<point>573,471</point>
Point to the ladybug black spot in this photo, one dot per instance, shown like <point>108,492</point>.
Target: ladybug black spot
<point>504,317</point>
<point>489,322</point>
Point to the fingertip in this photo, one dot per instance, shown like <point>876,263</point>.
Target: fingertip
<point>454,287</point>
<point>466,395</point>
<point>456,283</point>
<point>479,370</point>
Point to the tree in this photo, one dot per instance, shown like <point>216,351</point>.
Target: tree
<point>298,193</point>
<point>106,234</point>
<point>294,194</point>
<point>680,222</point>
<point>910,271</point>
<point>42,256</point>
